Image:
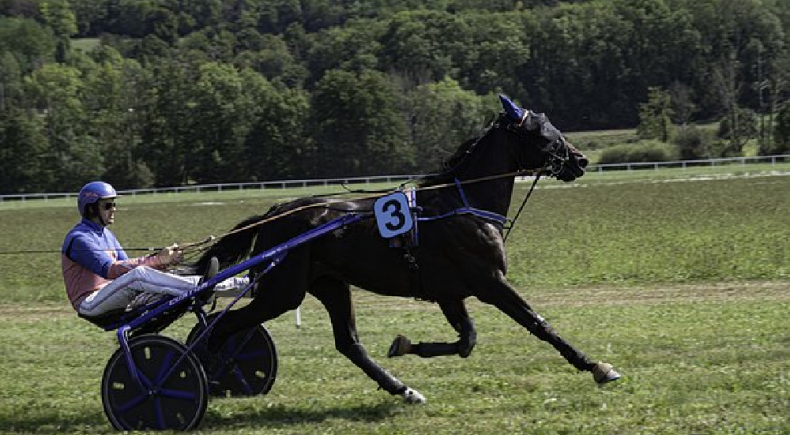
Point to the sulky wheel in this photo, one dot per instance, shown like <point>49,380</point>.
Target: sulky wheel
<point>245,366</point>
<point>172,392</point>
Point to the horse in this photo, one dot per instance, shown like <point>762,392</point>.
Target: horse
<point>455,250</point>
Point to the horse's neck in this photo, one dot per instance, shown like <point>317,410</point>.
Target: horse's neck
<point>486,177</point>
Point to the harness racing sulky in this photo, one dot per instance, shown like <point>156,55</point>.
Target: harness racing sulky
<point>443,240</point>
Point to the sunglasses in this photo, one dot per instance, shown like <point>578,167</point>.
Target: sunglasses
<point>109,205</point>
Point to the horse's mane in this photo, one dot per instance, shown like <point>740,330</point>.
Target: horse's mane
<point>452,163</point>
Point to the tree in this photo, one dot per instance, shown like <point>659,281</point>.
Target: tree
<point>168,129</point>
<point>655,116</point>
<point>10,81</point>
<point>60,18</point>
<point>738,128</point>
<point>491,54</point>
<point>415,44</point>
<point>441,116</point>
<point>114,90</point>
<point>279,146</point>
<point>781,143</point>
<point>75,156</point>
<point>682,104</point>
<point>224,106</point>
<point>31,43</point>
<point>354,47</point>
<point>358,128</point>
<point>24,166</point>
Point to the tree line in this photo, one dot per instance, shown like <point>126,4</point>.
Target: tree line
<point>171,92</point>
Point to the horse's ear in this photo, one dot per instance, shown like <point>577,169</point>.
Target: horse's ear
<point>513,112</point>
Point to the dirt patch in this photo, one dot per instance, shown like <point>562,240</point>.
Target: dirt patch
<point>32,311</point>
<point>620,295</point>
<point>767,291</point>
<point>706,292</point>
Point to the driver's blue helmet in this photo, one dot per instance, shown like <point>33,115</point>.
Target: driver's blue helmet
<point>93,192</point>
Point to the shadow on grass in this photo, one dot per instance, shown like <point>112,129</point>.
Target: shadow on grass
<point>282,416</point>
<point>55,423</point>
<point>275,416</point>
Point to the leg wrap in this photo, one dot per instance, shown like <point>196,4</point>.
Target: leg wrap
<point>356,354</point>
<point>541,329</point>
<point>468,338</point>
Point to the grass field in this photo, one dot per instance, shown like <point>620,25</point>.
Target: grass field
<point>683,285</point>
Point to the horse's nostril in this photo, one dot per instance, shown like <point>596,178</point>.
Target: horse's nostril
<point>583,162</point>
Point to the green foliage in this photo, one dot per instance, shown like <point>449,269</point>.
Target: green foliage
<point>24,153</point>
<point>739,126</point>
<point>655,116</point>
<point>442,115</point>
<point>781,144</point>
<point>694,143</point>
<point>642,151</point>
<point>591,65</point>
<point>30,43</point>
<point>358,129</point>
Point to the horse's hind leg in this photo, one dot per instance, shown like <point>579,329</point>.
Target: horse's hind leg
<point>504,297</point>
<point>281,290</point>
<point>456,314</point>
<point>335,295</point>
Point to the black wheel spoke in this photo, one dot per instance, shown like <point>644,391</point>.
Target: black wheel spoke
<point>164,368</point>
<point>177,394</point>
<point>239,375</point>
<point>134,403</point>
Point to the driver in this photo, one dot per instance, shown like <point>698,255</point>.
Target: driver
<point>101,278</point>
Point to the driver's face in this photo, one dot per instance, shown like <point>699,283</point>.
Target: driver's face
<point>107,210</point>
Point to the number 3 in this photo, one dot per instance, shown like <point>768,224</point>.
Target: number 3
<point>392,215</point>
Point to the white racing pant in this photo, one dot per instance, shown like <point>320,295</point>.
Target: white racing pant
<point>120,292</point>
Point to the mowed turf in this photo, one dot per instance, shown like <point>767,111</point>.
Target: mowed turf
<point>682,285</point>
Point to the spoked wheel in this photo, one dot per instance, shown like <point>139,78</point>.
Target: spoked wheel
<point>245,366</point>
<point>172,392</point>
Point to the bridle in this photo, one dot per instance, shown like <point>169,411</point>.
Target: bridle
<point>556,150</point>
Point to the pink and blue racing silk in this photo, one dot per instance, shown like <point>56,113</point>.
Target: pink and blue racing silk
<point>91,257</point>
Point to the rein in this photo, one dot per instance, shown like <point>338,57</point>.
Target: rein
<point>520,209</point>
<point>198,246</point>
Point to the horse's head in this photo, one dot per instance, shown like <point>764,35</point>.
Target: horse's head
<point>544,146</point>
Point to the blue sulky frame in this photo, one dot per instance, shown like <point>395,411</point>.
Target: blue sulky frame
<point>274,256</point>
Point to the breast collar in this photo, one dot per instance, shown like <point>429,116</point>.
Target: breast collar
<point>466,209</point>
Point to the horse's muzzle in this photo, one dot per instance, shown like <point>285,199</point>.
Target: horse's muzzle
<point>574,166</point>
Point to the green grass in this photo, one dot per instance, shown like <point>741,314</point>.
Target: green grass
<point>683,285</point>
<point>603,229</point>
<point>85,44</point>
<point>696,359</point>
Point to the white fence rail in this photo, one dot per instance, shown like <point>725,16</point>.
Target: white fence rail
<point>767,160</point>
<point>286,184</point>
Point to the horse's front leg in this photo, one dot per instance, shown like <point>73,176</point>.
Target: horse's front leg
<point>502,295</point>
<point>458,317</point>
<point>336,298</point>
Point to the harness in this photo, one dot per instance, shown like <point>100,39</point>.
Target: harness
<point>409,241</point>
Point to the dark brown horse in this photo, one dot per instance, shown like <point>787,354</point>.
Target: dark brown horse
<point>455,250</point>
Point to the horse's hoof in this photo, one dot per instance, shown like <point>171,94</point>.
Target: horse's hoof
<point>413,397</point>
<point>604,373</point>
<point>399,347</point>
